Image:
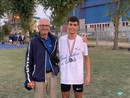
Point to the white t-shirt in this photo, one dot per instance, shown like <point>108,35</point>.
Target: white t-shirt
<point>72,72</point>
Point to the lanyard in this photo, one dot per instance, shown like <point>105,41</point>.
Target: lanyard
<point>71,50</point>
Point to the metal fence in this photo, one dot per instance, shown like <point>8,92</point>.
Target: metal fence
<point>106,36</point>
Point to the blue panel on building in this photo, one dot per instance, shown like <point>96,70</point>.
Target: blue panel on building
<point>95,11</point>
<point>77,11</point>
<point>96,15</point>
<point>95,2</point>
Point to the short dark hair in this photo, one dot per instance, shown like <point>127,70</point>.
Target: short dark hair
<point>73,19</point>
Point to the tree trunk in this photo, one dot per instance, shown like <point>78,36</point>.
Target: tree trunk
<point>117,18</point>
<point>115,46</point>
<point>56,31</point>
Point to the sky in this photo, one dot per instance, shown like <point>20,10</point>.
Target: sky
<point>41,13</point>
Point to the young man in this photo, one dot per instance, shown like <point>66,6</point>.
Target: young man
<point>39,71</point>
<point>73,54</point>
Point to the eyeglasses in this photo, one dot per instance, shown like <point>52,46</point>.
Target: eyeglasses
<point>44,25</point>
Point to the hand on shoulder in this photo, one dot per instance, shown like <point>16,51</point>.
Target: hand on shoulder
<point>84,38</point>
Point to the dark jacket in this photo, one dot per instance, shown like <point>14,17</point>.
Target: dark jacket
<point>35,68</point>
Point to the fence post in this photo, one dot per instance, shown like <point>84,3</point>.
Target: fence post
<point>96,37</point>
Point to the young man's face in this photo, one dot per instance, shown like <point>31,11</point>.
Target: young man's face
<point>73,27</point>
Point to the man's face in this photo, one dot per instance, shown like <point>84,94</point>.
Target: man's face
<point>44,26</point>
<point>73,27</point>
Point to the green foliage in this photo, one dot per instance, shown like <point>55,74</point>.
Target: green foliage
<point>33,33</point>
<point>24,9</point>
<point>118,9</point>
<point>4,7</point>
<point>6,29</point>
<point>124,8</point>
<point>60,10</point>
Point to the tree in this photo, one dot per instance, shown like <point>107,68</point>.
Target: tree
<point>6,29</point>
<point>3,7</point>
<point>120,9</point>
<point>25,10</point>
<point>60,10</point>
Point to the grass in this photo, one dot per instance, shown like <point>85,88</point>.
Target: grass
<point>109,74</point>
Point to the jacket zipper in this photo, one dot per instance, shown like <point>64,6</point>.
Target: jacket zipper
<point>51,67</point>
<point>54,46</point>
<point>45,66</point>
<point>49,60</point>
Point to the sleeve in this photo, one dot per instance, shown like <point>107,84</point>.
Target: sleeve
<point>58,44</point>
<point>59,41</point>
<point>60,47</point>
<point>29,66</point>
<point>85,49</point>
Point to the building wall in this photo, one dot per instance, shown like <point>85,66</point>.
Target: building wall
<point>95,10</point>
<point>94,13</point>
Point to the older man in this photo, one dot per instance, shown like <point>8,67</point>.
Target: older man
<point>39,71</point>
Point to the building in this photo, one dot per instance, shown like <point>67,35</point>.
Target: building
<point>14,22</point>
<point>35,23</point>
<point>93,18</point>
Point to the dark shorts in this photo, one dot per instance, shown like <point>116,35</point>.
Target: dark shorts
<point>76,88</point>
